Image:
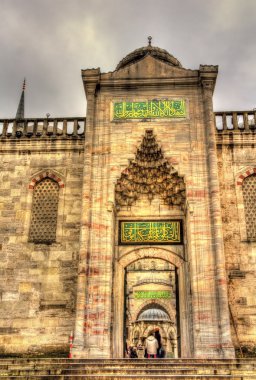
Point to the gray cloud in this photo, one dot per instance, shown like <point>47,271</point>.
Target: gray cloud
<point>50,41</point>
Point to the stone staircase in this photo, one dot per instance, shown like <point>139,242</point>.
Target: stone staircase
<point>124,369</point>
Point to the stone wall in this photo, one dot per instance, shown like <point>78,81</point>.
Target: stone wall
<point>236,156</point>
<point>77,282</point>
<point>189,145</point>
<point>38,281</point>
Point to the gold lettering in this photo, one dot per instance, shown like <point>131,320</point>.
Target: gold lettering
<point>150,232</point>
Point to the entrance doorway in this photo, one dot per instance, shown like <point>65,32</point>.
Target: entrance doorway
<point>152,304</point>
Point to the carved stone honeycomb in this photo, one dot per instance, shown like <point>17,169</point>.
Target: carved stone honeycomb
<point>44,212</point>
<point>150,174</point>
<point>249,195</point>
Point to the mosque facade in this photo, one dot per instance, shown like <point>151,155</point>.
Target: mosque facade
<point>139,217</point>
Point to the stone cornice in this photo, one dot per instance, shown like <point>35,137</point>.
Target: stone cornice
<point>90,79</point>
<point>42,146</point>
<point>121,83</point>
<point>235,138</point>
<point>208,75</point>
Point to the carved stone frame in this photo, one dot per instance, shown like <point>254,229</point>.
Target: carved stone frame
<point>133,254</point>
<point>241,175</point>
<point>36,177</point>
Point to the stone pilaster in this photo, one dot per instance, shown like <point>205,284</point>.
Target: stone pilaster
<point>208,77</point>
<point>90,78</point>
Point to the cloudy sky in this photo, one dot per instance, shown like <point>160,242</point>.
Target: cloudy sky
<point>50,41</point>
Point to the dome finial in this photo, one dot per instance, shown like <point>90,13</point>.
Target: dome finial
<point>149,40</point>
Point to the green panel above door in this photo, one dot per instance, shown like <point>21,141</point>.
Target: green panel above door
<point>150,232</point>
<point>156,109</point>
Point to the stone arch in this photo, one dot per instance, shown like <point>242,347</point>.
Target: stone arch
<point>149,329</point>
<point>144,282</point>
<point>46,173</point>
<point>44,211</point>
<point>149,252</point>
<point>172,254</point>
<point>249,195</point>
<point>35,180</point>
<point>167,308</point>
<point>172,340</point>
<point>240,177</point>
<point>172,332</point>
<point>136,333</point>
<point>245,173</point>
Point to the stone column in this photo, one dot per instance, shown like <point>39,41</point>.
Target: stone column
<point>208,76</point>
<point>90,78</point>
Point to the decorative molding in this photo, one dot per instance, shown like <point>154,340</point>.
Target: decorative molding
<point>45,174</point>
<point>150,174</point>
<point>172,255</point>
<point>244,174</point>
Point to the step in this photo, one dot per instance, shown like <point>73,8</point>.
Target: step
<point>164,360</point>
<point>147,366</point>
<point>135,377</point>
<point>137,362</point>
<point>125,369</point>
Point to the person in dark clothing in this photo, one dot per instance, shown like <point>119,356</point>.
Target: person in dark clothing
<point>158,338</point>
<point>133,352</point>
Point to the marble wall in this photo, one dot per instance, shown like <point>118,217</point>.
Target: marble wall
<point>38,281</point>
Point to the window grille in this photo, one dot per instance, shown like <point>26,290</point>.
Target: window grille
<point>249,195</point>
<point>44,212</point>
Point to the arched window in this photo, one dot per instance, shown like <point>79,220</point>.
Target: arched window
<point>44,211</point>
<point>249,196</point>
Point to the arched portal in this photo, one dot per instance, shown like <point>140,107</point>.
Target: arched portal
<point>154,319</point>
<point>151,299</point>
<point>150,198</point>
<point>146,279</point>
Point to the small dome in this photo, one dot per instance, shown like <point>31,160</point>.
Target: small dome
<point>154,51</point>
<point>153,314</point>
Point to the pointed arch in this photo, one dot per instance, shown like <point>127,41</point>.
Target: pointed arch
<point>249,171</point>
<point>249,199</point>
<point>48,173</point>
<point>170,255</point>
<point>44,211</point>
<point>246,201</point>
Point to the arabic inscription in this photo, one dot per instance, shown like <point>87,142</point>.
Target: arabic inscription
<point>150,109</point>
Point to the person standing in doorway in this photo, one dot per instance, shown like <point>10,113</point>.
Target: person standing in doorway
<point>151,346</point>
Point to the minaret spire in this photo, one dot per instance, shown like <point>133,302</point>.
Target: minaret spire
<point>21,106</point>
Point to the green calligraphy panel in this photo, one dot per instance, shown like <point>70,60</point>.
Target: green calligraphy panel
<point>152,294</point>
<point>150,232</point>
<point>150,109</point>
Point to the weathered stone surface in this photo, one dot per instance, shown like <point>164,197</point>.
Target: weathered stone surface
<point>36,296</point>
<point>77,282</point>
<point>234,160</point>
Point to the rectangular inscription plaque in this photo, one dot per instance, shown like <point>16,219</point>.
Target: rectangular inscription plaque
<point>152,294</point>
<point>150,232</point>
<point>150,109</point>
